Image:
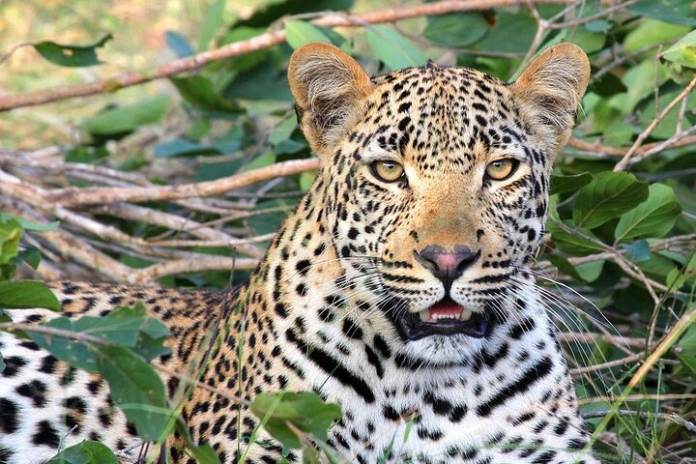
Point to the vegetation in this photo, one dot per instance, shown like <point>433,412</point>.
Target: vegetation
<point>618,269</point>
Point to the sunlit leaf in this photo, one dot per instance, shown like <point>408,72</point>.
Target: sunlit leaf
<point>71,55</point>
<point>393,49</point>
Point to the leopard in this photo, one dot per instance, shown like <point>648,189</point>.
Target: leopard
<point>400,288</point>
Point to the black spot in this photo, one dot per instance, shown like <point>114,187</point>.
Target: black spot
<point>351,330</point>
<point>35,390</point>
<point>304,265</point>
<point>9,418</point>
<point>12,366</point>
<point>281,310</point>
<point>46,434</point>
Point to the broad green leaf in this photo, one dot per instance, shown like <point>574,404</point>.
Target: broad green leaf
<point>71,55</point>
<point>127,118</point>
<point>512,33</point>
<point>86,452</point>
<point>136,389</point>
<point>200,92</point>
<point>589,272</point>
<point>565,184</point>
<point>212,23</point>
<point>682,55</point>
<point>573,244</point>
<point>652,218</point>
<point>393,49</point>
<point>124,326</point>
<point>671,11</point>
<point>652,32</point>
<point>608,196</point>
<point>456,30</point>
<point>271,221</point>
<point>282,131</point>
<point>27,294</point>
<point>299,33</point>
<point>305,410</point>
<point>183,147</point>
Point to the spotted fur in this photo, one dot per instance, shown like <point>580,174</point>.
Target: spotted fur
<point>321,311</point>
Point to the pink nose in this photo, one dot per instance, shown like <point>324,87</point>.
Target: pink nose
<point>445,265</point>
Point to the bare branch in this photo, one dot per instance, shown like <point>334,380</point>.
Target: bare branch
<point>260,42</point>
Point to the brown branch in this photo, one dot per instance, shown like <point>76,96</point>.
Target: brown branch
<point>260,42</point>
<point>74,196</point>
<point>626,160</point>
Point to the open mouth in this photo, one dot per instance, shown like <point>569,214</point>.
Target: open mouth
<point>445,317</point>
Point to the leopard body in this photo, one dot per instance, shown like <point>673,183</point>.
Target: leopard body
<point>325,309</point>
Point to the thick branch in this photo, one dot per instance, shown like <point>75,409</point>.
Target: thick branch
<point>260,42</point>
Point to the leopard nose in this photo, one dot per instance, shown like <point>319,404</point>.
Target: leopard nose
<point>447,265</point>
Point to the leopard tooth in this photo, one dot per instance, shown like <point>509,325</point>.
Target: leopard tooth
<point>465,315</point>
<point>424,315</point>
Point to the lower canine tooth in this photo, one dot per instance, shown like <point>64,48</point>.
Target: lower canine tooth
<point>424,315</point>
<point>465,315</point>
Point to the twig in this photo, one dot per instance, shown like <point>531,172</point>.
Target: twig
<point>260,42</point>
<point>626,159</point>
<point>691,427</point>
<point>74,196</point>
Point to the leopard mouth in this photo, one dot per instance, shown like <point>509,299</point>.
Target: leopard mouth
<point>446,317</point>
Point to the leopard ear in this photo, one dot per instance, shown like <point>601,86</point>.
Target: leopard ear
<point>551,90</point>
<point>329,89</point>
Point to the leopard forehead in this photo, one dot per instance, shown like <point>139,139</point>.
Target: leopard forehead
<point>439,118</point>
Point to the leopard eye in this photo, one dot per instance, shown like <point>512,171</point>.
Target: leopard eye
<point>387,171</point>
<point>501,169</point>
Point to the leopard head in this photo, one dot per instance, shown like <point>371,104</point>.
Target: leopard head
<point>435,181</point>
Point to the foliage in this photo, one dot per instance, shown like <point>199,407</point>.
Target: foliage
<point>625,238</point>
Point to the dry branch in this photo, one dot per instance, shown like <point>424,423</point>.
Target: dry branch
<point>260,42</point>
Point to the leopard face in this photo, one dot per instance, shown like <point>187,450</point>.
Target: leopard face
<point>435,184</point>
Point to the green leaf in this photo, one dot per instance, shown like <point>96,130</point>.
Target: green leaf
<point>393,49</point>
<point>26,224</point>
<point>214,15</point>
<point>183,147</point>
<point>652,218</point>
<point>27,294</point>
<point>127,118</point>
<point>687,350</point>
<point>456,30</point>
<point>299,33</point>
<point>71,55</point>
<point>136,389</point>
<point>565,184</point>
<point>671,11</point>
<point>10,233</point>
<point>124,326</point>
<point>306,411</point>
<point>86,452</point>
<point>519,25</point>
<point>589,272</point>
<point>200,92</point>
<point>609,195</point>
<point>573,244</point>
<point>682,55</point>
